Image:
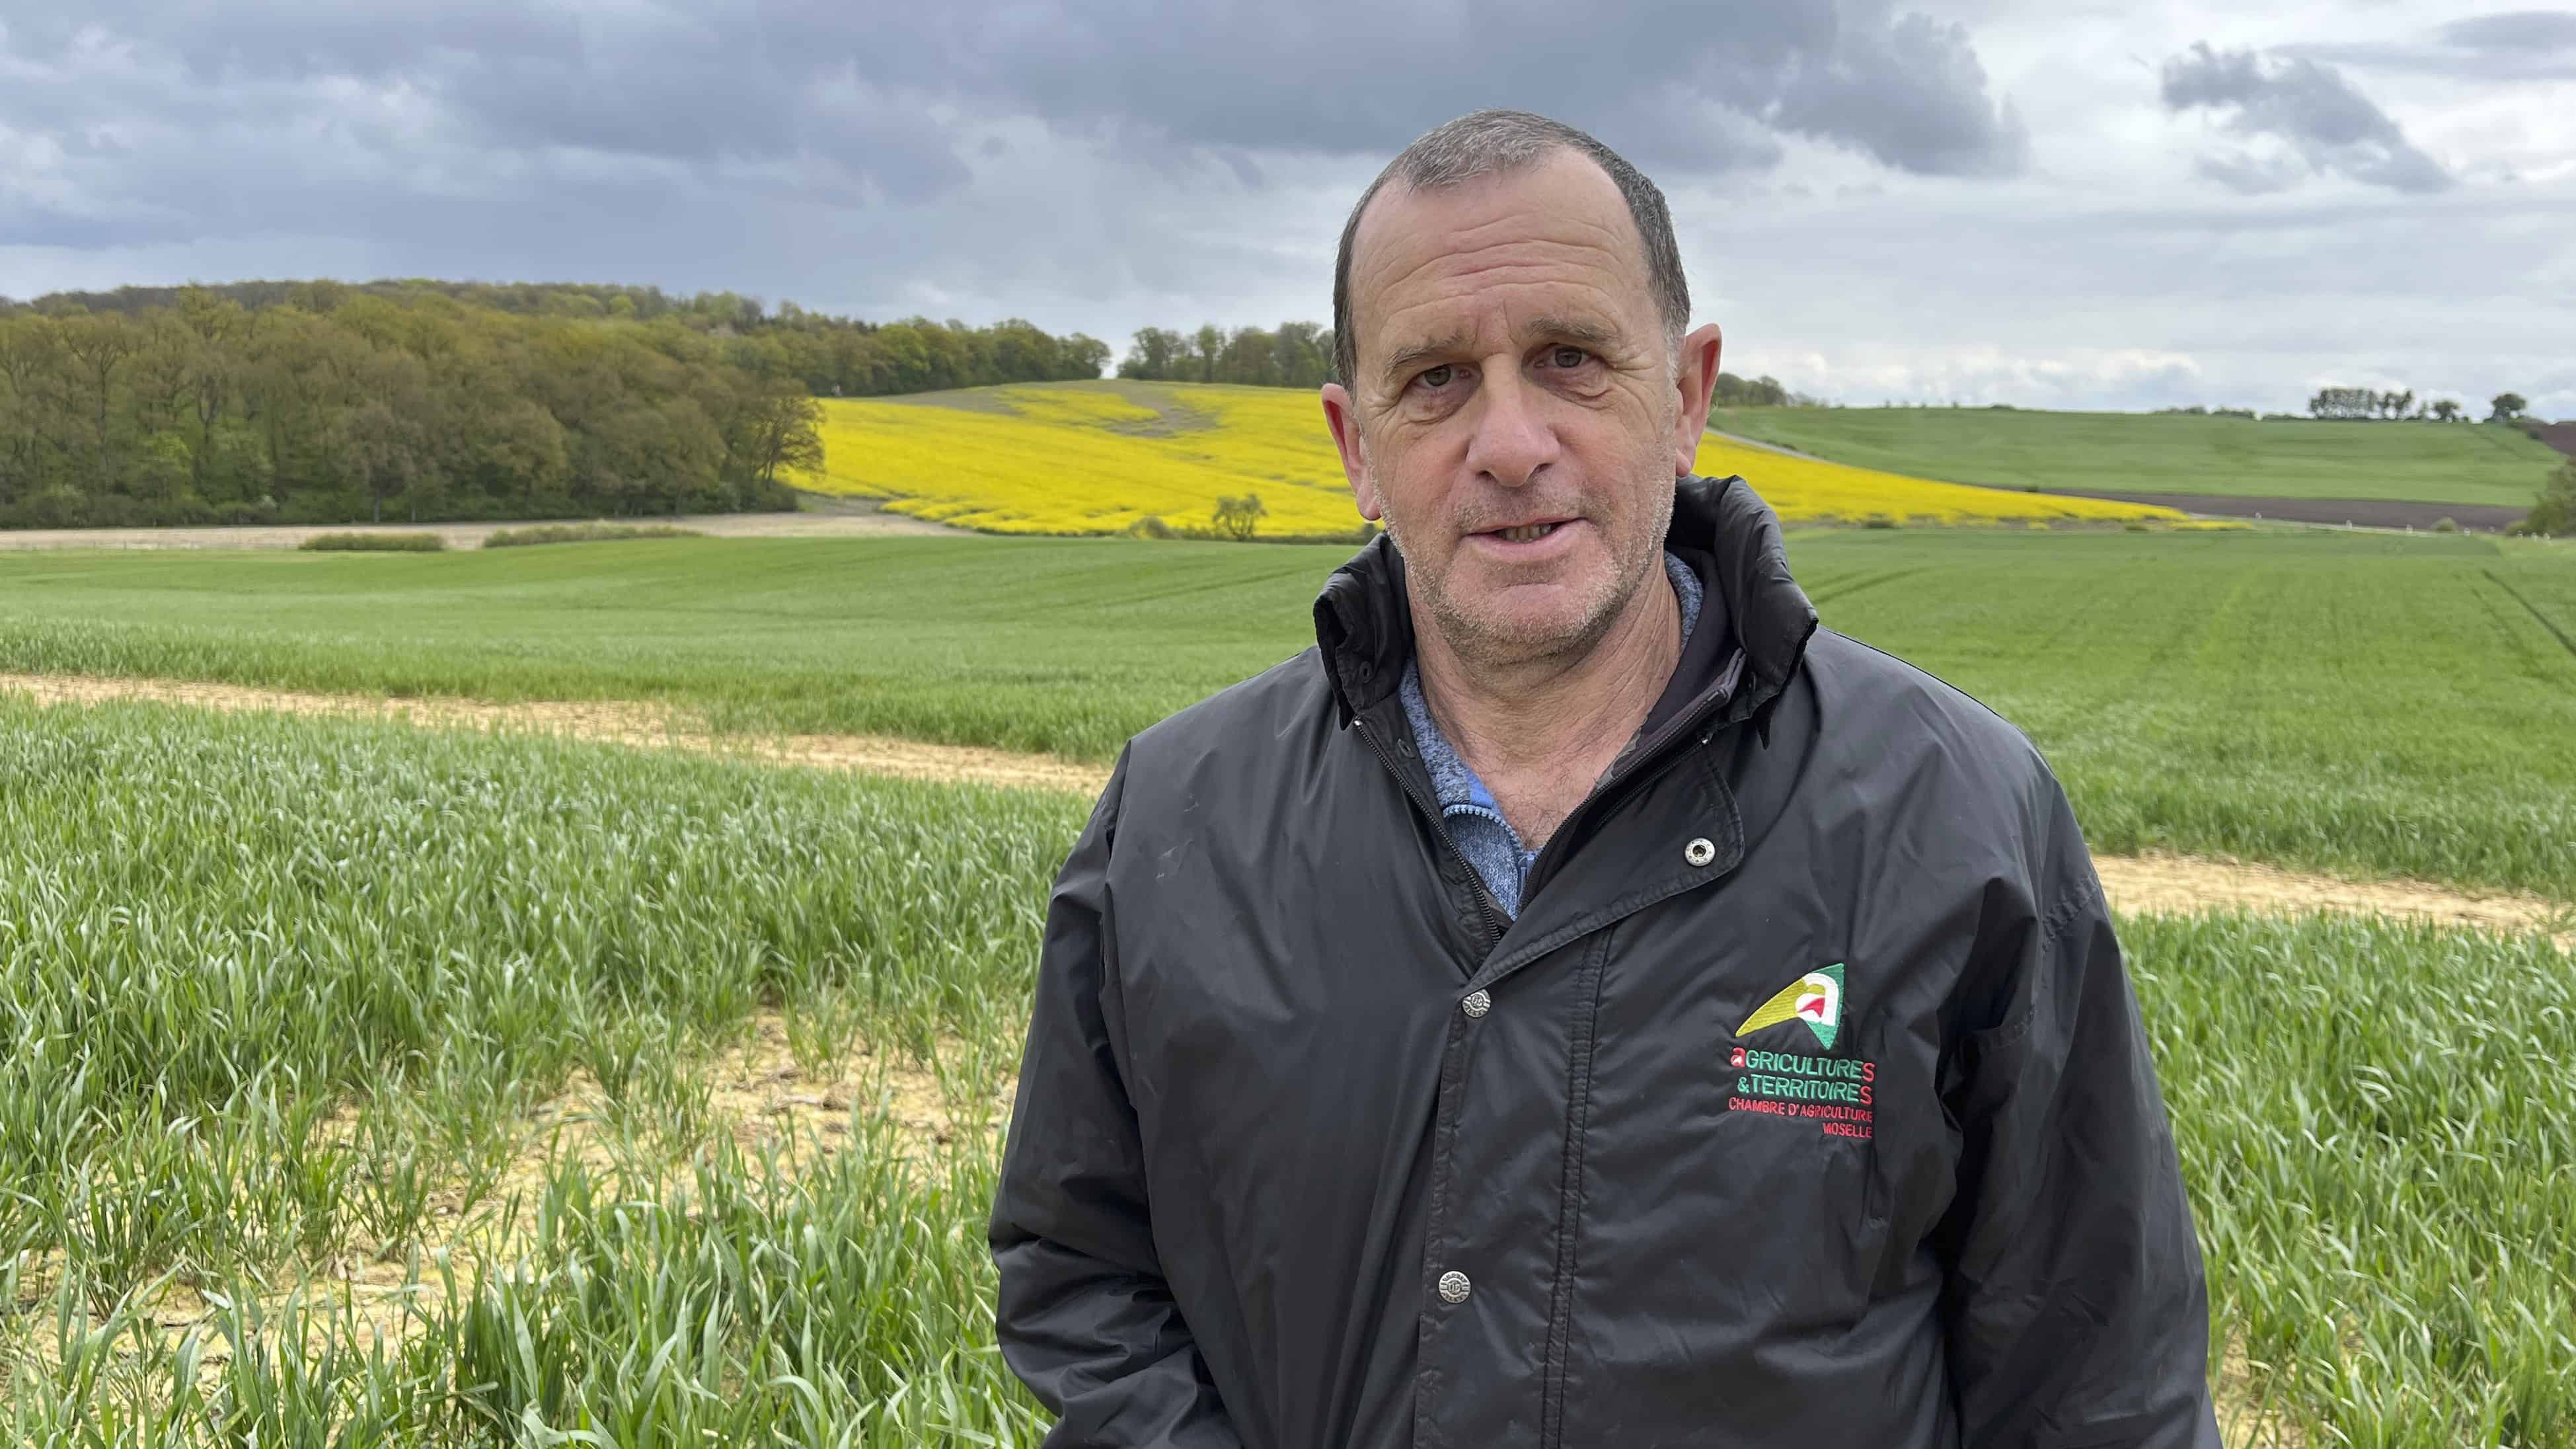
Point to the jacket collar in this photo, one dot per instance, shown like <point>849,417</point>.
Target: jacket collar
<point>1364,617</point>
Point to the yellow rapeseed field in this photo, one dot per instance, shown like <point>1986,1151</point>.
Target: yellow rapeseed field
<point>1094,458</point>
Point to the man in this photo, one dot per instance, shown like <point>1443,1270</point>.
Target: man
<point>1580,1002</point>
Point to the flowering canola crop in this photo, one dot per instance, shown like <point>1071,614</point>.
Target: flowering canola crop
<point>1096,458</point>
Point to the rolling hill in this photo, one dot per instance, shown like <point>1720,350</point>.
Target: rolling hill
<point>2454,464</point>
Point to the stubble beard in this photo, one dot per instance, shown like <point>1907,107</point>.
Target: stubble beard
<point>1484,642</point>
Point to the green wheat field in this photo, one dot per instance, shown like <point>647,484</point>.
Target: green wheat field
<point>373,1085</point>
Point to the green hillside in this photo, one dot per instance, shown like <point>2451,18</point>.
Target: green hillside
<point>2166,452</point>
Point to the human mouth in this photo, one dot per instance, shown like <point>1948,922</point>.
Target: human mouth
<point>1530,532</point>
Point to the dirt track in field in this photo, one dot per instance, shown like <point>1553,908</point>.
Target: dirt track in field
<point>612,721</point>
<point>2134,883</point>
<point>843,522</point>
<point>2174,883</point>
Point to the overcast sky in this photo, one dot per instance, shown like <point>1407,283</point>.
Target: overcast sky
<point>2045,202</point>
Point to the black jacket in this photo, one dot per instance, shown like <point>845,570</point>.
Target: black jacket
<point>1805,1102</point>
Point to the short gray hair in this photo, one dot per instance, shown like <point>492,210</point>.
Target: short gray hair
<point>1486,143</point>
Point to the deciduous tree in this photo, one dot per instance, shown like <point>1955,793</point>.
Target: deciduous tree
<point>1240,517</point>
<point>774,425</point>
<point>2554,514</point>
<point>98,348</point>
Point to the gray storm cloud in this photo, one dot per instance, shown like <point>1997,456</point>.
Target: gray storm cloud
<point>2520,30</point>
<point>176,120</point>
<point>2326,125</point>
<point>2519,45</point>
<point>1685,85</point>
<point>1863,204</point>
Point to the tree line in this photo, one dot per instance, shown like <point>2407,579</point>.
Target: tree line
<point>833,356</point>
<point>1296,354</point>
<point>2362,404</point>
<point>327,405</point>
<point>1300,354</point>
<point>1731,391</point>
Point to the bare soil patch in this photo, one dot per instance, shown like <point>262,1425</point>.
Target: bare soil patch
<point>829,523</point>
<point>2357,512</point>
<point>2174,883</point>
<point>2152,882</point>
<point>757,1092</point>
<point>2561,436</point>
<point>611,721</point>
<point>1176,416</point>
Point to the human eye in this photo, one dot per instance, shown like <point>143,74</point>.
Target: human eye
<point>1436,378</point>
<point>1567,357</point>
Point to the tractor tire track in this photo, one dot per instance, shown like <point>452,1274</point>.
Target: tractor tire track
<point>2543,620</point>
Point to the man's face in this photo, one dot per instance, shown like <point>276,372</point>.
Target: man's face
<point>1516,421</point>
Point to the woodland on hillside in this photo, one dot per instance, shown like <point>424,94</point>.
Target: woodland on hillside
<point>206,411</point>
<point>321,402</point>
<point>833,356</point>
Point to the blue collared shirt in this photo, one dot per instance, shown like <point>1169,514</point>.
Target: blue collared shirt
<point>1475,823</point>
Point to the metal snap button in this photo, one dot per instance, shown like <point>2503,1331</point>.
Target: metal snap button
<point>1476,1004</point>
<point>1699,852</point>
<point>1453,1287</point>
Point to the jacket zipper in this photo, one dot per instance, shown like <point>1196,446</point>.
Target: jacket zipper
<point>1430,809</point>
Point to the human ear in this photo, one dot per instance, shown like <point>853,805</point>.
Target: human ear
<point>1696,378</point>
<point>1344,420</point>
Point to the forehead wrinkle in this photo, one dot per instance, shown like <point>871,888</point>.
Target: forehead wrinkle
<point>1523,288</point>
<point>1581,315</point>
<point>1520,253</point>
<point>1526,310</point>
<point>1515,292</point>
<point>1610,237</point>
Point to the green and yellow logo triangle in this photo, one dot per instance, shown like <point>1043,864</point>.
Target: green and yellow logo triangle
<point>1814,1000</point>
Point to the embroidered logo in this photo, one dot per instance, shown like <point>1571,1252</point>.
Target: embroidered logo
<point>1837,1093</point>
<point>1814,1001</point>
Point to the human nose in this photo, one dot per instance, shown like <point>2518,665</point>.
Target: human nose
<point>1512,441</point>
